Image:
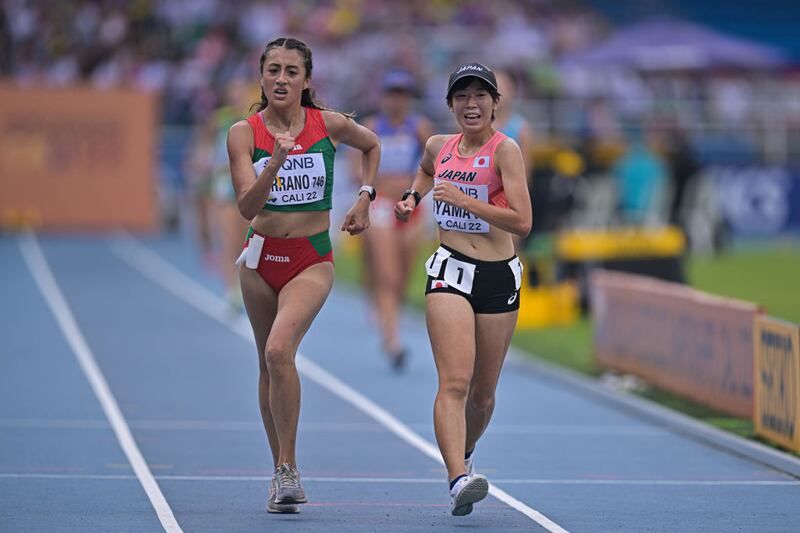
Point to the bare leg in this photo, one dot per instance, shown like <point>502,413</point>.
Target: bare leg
<point>261,304</point>
<point>454,353</point>
<point>493,334</point>
<point>385,264</point>
<point>410,239</point>
<point>205,237</point>
<point>298,304</point>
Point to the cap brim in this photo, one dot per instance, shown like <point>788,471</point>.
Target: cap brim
<point>469,75</point>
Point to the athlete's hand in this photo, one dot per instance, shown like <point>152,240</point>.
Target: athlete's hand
<point>284,143</point>
<point>404,208</point>
<point>447,192</point>
<point>357,218</point>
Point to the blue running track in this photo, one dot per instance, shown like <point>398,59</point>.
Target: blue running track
<point>128,403</point>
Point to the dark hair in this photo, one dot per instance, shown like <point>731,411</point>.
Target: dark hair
<point>307,98</point>
<point>463,83</point>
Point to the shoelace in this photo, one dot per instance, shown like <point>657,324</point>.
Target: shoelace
<point>288,476</point>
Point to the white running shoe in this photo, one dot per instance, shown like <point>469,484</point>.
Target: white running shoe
<point>282,508</point>
<point>467,490</point>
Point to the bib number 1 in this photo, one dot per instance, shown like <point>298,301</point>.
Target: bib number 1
<point>459,275</point>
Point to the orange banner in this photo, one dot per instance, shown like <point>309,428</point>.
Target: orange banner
<point>78,158</point>
<point>678,338</point>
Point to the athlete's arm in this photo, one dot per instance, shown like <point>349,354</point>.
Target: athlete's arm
<point>343,129</point>
<point>348,131</point>
<point>423,181</point>
<point>356,159</point>
<point>516,218</point>
<point>526,143</point>
<point>252,191</point>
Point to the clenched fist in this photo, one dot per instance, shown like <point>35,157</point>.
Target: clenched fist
<point>447,192</point>
<point>404,208</point>
<point>284,143</point>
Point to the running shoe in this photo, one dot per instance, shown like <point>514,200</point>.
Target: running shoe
<point>398,359</point>
<point>287,485</point>
<point>283,508</point>
<point>467,490</point>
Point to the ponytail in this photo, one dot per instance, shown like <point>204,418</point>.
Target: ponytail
<point>262,105</point>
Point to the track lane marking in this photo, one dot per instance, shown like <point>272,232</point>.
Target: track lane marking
<point>164,274</point>
<point>432,481</point>
<point>47,284</point>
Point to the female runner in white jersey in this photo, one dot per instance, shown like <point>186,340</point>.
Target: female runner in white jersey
<point>472,293</point>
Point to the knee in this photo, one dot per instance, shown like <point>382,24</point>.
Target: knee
<point>280,360</point>
<point>389,284</point>
<point>481,400</point>
<point>455,386</point>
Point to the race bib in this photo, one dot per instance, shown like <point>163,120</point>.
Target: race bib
<point>516,268</point>
<point>433,266</point>
<point>301,179</point>
<point>454,218</point>
<point>253,251</point>
<point>459,275</point>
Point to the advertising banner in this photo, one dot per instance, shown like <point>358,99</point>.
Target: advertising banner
<point>680,339</point>
<point>777,381</point>
<point>78,158</point>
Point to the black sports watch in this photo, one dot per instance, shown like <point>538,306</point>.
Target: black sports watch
<point>370,190</point>
<point>411,192</point>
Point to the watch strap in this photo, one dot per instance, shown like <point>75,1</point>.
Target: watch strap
<point>370,190</point>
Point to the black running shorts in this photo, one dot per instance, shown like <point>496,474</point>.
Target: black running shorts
<point>489,286</point>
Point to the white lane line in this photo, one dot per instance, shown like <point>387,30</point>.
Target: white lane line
<point>333,427</point>
<point>173,280</point>
<point>432,481</point>
<point>55,299</point>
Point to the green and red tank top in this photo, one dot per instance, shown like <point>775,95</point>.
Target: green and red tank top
<point>305,180</point>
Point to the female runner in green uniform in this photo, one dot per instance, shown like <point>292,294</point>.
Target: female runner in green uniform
<point>281,162</point>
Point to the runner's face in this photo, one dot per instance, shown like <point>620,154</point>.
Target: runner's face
<point>284,77</point>
<point>473,107</point>
<point>396,103</point>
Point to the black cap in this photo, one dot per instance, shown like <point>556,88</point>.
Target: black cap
<point>475,70</point>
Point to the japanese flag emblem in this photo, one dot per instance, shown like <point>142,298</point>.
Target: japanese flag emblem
<point>481,162</point>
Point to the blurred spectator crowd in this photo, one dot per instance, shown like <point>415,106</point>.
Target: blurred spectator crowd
<point>190,49</point>
<point>665,124</point>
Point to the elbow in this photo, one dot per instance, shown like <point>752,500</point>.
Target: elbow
<point>523,229</point>
<point>248,214</point>
<point>246,211</point>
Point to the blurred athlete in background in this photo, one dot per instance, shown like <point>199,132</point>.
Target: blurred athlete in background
<point>220,226</point>
<point>231,226</point>
<point>510,122</point>
<point>390,246</point>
